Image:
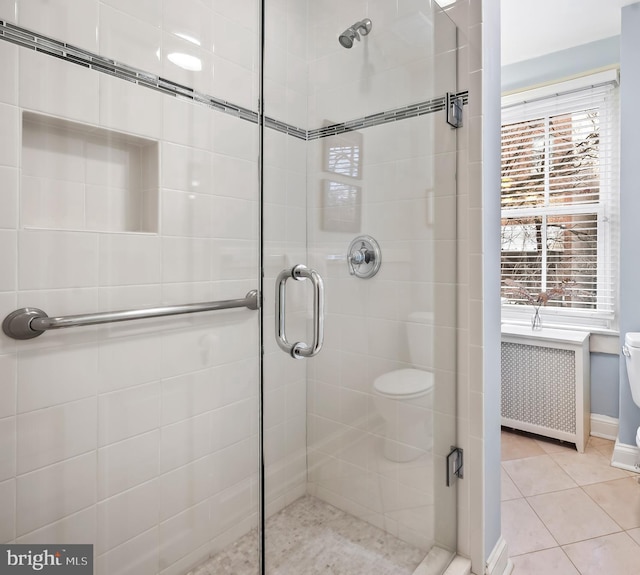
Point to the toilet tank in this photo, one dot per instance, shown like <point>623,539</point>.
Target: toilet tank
<point>420,336</point>
<point>632,355</point>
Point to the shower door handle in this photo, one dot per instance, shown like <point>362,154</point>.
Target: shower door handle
<point>300,350</point>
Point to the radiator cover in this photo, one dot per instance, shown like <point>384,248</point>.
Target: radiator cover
<point>545,383</point>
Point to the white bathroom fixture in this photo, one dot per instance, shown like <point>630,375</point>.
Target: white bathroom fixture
<point>404,397</point>
<point>631,350</point>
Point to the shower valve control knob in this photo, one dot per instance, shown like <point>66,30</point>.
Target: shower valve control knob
<point>364,257</point>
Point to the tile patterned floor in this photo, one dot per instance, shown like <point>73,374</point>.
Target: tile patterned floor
<point>311,537</point>
<point>568,513</point>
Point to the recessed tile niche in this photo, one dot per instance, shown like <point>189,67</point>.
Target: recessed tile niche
<point>79,177</point>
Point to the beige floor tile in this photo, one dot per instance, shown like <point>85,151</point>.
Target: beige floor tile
<point>515,446</point>
<point>616,554</point>
<point>554,447</point>
<point>509,489</point>
<point>620,499</point>
<point>523,530</point>
<point>603,446</point>
<point>634,534</point>
<point>536,475</point>
<point>550,562</point>
<point>589,467</point>
<point>572,516</point>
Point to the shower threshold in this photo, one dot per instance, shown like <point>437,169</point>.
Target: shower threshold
<point>312,537</point>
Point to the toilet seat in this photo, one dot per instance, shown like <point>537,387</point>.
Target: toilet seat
<point>404,383</point>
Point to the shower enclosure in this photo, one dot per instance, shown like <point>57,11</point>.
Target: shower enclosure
<point>161,154</point>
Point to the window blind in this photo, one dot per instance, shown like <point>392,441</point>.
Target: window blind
<point>559,201</point>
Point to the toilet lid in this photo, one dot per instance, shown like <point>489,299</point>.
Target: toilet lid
<point>404,383</point>
<point>632,339</point>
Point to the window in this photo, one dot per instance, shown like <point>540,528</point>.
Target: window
<point>559,198</point>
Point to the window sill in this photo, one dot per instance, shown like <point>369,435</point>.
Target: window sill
<point>601,340</point>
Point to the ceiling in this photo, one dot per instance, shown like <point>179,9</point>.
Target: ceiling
<point>532,28</point>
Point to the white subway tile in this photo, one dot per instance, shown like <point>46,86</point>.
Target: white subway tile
<point>8,303</point>
<point>66,20</point>
<point>188,64</point>
<point>52,493</point>
<point>126,515</point>
<point>79,527</point>
<point>48,436</point>
<point>56,87</point>
<point>187,123</point>
<point>187,169</point>
<point>186,260</point>
<point>191,394</point>
<point>129,259</point>
<point>184,533</point>
<point>8,198</point>
<point>233,423</point>
<point>8,260</point>
<point>71,375</point>
<point>129,40</point>
<point>234,218</point>
<point>184,442</point>
<point>187,214</point>
<point>9,143</point>
<point>7,510</point>
<point>128,463</point>
<point>190,20</point>
<point>9,59</point>
<point>186,486</point>
<point>149,11</point>
<point>64,260</point>
<point>9,10</point>
<point>51,203</point>
<point>130,108</point>
<point>7,448</point>
<point>236,463</point>
<point>8,369</point>
<point>125,362</point>
<point>124,414</point>
<point>235,42</point>
<point>235,137</point>
<point>230,507</point>
<point>138,556</point>
<point>243,13</point>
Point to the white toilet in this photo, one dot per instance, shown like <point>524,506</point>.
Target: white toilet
<point>631,352</point>
<point>404,398</point>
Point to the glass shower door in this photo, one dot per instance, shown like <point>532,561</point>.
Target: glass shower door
<point>359,184</point>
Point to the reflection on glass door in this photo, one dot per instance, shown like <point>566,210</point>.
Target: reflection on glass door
<point>356,437</point>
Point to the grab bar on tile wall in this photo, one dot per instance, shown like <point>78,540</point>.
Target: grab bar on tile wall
<point>30,322</point>
<point>300,350</point>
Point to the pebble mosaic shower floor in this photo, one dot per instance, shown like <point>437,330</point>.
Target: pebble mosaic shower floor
<point>310,537</point>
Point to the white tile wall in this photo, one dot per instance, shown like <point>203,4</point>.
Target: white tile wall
<point>70,22</point>
<point>54,87</point>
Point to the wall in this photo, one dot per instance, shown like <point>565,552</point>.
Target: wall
<point>629,206</point>
<point>140,438</point>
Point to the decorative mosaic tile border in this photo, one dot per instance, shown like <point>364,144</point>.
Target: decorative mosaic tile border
<point>34,41</point>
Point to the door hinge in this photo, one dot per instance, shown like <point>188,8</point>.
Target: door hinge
<point>454,110</point>
<point>455,465</point>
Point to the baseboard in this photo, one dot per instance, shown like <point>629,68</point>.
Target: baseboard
<point>498,562</point>
<point>604,426</point>
<point>625,456</point>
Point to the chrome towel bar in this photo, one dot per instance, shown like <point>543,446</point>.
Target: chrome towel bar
<point>30,322</point>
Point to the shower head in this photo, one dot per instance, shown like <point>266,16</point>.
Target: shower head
<point>353,33</point>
